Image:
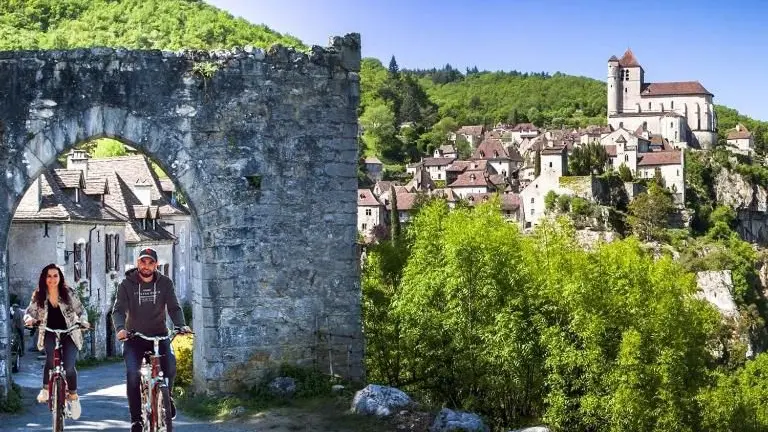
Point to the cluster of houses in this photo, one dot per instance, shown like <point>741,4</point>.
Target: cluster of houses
<point>649,125</point>
<point>91,217</point>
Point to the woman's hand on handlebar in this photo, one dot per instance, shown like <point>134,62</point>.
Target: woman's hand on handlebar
<point>31,322</point>
<point>122,335</point>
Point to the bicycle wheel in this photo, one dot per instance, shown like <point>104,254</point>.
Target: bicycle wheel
<point>57,398</point>
<point>162,410</point>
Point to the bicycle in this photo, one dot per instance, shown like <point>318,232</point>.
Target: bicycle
<point>155,395</point>
<point>57,381</point>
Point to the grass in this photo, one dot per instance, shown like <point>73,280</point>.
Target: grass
<point>12,403</point>
<point>313,404</point>
<point>89,362</point>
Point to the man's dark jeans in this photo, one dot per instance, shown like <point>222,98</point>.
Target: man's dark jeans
<point>133,351</point>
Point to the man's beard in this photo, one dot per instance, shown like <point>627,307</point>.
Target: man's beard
<point>146,273</point>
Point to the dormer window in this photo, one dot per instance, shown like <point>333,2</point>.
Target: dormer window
<point>472,177</point>
<point>482,153</point>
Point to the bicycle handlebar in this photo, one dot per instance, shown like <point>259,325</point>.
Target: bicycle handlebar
<point>59,331</point>
<point>176,331</point>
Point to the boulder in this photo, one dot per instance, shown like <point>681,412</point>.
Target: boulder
<point>450,420</point>
<point>380,401</point>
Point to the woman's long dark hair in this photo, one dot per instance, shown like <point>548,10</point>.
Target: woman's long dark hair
<point>41,293</point>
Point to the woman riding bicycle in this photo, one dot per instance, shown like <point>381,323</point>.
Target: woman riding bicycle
<point>56,306</point>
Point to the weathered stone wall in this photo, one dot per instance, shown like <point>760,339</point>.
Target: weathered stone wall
<point>264,149</point>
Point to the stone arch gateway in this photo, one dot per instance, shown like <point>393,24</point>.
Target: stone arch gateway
<point>264,146</point>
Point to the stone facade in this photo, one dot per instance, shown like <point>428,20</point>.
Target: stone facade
<point>265,151</point>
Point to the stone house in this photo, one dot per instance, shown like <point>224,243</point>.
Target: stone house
<point>493,151</point>
<point>436,166</point>
<point>740,140</point>
<point>64,219</point>
<point>446,151</point>
<point>473,134</point>
<point>521,131</point>
<point>473,176</point>
<point>511,206</point>
<point>554,164</point>
<point>374,168</point>
<point>370,213</point>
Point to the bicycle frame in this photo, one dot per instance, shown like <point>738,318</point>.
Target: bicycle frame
<point>152,380</point>
<point>58,374</point>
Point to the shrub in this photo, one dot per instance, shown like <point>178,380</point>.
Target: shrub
<point>581,207</point>
<point>564,203</point>
<point>12,403</point>
<point>183,346</point>
<point>550,199</point>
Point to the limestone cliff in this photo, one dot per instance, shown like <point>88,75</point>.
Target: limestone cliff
<point>750,201</point>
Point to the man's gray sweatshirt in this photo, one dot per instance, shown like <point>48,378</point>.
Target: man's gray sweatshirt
<point>141,306</point>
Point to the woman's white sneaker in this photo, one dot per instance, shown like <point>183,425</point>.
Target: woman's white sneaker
<point>42,397</point>
<point>74,408</point>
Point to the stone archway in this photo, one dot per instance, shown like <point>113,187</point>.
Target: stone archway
<point>265,150</point>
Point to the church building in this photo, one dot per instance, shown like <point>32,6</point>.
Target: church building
<point>681,112</point>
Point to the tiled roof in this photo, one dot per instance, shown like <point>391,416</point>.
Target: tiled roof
<point>611,150</point>
<point>96,186</point>
<point>447,148</point>
<point>739,132</point>
<point>475,130</point>
<point>525,127</point>
<point>509,201</point>
<point>659,158</point>
<point>514,154</point>
<point>446,193</point>
<point>553,150</point>
<point>166,185</point>
<point>629,60</point>
<point>69,179</point>
<point>613,58</point>
<point>134,233</point>
<point>470,179</point>
<point>440,161</point>
<point>674,88</point>
<point>57,205</point>
<point>405,201</point>
<point>366,198</point>
<point>490,149</point>
<point>473,165</point>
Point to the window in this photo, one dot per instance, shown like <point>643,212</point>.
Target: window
<point>166,268</point>
<point>439,176</point>
<point>77,249</point>
<point>550,164</point>
<point>671,124</point>
<point>368,212</point>
<point>672,105</point>
<point>678,173</point>
<point>626,158</point>
<point>108,262</point>
<point>532,212</point>
<point>365,227</point>
<point>649,105</point>
<point>531,200</point>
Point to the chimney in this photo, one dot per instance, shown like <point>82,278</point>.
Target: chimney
<point>78,160</point>
<point>143,190</point>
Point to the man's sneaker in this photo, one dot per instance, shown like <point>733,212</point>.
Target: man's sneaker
<point>137,427</point>
<point>42,397</point>
<point>74,408</point>
<point>173,410</point>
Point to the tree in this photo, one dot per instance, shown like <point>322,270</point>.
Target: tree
<point>394,216</point>
<point>537,164</point>
<point>625,174</point>
<point>588,159</point>
<point>463,148</point>
<point>650,211</point>
<point>106,147</point>
<point>550,201</point>
<point>394,70</point>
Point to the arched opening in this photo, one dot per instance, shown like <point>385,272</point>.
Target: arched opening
<point>89,208</point>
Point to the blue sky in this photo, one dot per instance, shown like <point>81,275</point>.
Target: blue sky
<point>724,45</point>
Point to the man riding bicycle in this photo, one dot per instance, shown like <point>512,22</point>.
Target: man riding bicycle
<point>143,298</point>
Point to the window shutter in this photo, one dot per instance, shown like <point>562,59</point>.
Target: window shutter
<point>77,266</point>
<point>88,264</point>
<point>108,253</point>
<point>118,266</point>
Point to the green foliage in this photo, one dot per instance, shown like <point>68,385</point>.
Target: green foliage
<point>550,200</point>
<point>490,97</point>
<point>649,212</point>
<point>581,207</point>
<point>106,147</point>
<point>625,173</point>
<point>587,159</point>
<point>737,401</point>
<point>138,24</point>
<point>205,70</point>
<point>533,327</point>
<point>12,402</point>
<point>183,346</point>
<point>728,118</point>
<point>537,164</point>
<point>564,203</point>
<point>394,215</point>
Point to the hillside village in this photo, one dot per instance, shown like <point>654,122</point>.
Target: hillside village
<point>649,127</point>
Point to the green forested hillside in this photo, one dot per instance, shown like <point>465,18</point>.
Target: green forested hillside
<point>142,24</point>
